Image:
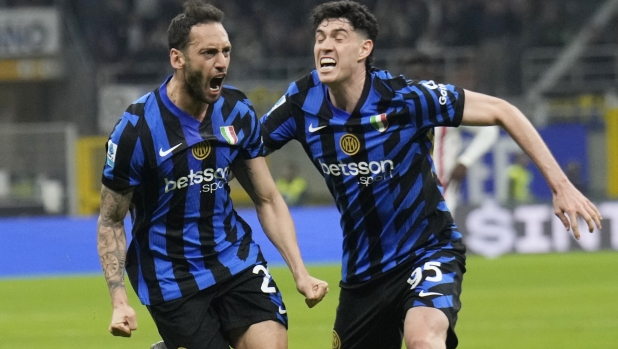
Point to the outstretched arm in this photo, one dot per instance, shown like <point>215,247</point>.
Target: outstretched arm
<point>569,203</point>
<point>277,223</point>
<point>112,246</point>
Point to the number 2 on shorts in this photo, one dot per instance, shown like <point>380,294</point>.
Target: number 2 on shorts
<point>267,277</point>
<point>417,274</point>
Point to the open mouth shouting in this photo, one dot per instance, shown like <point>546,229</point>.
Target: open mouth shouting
<point>327,64</point>
<point>216,83</point>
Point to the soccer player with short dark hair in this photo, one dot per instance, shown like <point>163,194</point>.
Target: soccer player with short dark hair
<point>192,260</point>
<point>367,133</point>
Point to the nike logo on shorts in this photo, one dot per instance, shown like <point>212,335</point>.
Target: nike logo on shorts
<point>423,293</point>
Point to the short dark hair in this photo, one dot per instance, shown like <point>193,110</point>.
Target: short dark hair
<point>196,12</point>
<point>358,15</point>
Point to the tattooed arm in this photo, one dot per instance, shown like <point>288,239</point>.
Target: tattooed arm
<point>112,246</point>
<point>277,223</point>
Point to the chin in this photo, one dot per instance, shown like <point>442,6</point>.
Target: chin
<point>326,78</point>
<point>212,97</point>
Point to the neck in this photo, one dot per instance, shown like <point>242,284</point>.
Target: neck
<point>177,93</point>
<point>345,95</point>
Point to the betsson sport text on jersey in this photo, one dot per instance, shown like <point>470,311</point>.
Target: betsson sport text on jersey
<point>380,170</point>
<point>219,176</point>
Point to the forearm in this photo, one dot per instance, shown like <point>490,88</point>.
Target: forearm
<point>484,110</point>
<point>272,212</point>
<point>112,254</point>
<point>277,223</point>
<point>112,243</point>
<point>524,133</point>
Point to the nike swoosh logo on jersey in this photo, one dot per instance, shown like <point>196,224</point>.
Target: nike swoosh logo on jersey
<point>425,294</point>
<point>313,129</point>
<point>282,311</point>
<point>167,152</point>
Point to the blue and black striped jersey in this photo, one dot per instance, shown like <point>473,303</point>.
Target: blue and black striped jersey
<point>186,234</point>
<point>376,163</point>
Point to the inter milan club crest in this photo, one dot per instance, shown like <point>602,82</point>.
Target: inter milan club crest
<point>229,134</point>
<point>350,144</point>
<point>201,150</point>
<point>336,340</point>
<point>379,122</point>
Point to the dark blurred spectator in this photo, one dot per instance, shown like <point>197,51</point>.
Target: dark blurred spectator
<point>497,29</point>
<point>121,32</point>
<point>26,3</point>
<point>419,66</point>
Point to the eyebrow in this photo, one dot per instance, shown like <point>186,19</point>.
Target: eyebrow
<point>320,31</point>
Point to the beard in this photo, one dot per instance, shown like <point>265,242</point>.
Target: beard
<point>194,86</point>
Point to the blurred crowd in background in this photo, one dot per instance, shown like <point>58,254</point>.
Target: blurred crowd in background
<point>112,49</point>
<point>131,34</point>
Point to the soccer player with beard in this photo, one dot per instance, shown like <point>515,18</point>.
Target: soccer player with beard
<point>367,133</point>
<point>192,260</point>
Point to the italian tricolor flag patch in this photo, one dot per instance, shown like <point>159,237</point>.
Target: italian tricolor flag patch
<point>379,122</point>
<point>229,134</point>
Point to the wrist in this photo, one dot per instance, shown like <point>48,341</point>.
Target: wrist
<point>119,299</point>
<point>557,184</point>
<point>300,275</point>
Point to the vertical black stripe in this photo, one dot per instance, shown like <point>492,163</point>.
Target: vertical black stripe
<point>146,197</point>
<point>371,218</point>
<point>207,201</point>
<point>175,218</point>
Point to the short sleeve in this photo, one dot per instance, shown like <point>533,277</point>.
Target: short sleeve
<point>125,157</point>
<point>252,144</point>
<point>278,126</point>
<point>436,104</point>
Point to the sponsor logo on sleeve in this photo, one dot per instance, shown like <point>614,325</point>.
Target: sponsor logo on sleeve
<point>112,148</point>
<point>277,105</point>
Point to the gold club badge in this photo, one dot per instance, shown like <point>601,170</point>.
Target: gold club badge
<point>349,143</point>
<point>201,150</point>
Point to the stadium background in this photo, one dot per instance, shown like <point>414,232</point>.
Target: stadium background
<point>68,68</point>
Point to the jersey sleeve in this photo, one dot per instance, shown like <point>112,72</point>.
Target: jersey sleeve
<point>252,146</point>
<point>278,126</point>
<point>436,104</point>
<point>125,157</point>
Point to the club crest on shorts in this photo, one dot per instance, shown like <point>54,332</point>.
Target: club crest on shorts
<point>229,134</point>
<point>336,340</point>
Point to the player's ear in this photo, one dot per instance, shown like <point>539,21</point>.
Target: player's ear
<point>177,59</point>
<point>365,49</point>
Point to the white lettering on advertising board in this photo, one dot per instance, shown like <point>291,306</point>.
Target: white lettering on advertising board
<point>27,32</point>
<point>492,230</point>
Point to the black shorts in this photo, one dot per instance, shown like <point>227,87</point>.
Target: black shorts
<point>203,320</point>
<point>371,315</point>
